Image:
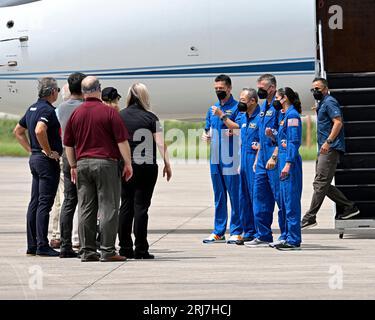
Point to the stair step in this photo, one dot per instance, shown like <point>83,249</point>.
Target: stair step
<point>365,177</point>
<point>358,113</point>
<point>362,97</point>
<point>359,128</point>
<point>367,210</point>
<point>359,144</point>
<point>358,192</point>
<point>365,160</point>
<point>351,80</point>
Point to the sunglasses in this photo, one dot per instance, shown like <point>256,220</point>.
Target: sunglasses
<point>315,89</point>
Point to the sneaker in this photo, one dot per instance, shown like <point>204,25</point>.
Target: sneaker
<point>308,223</point>
<point>233,239</point>
<point>276,243</point>
<point>47,252</point>
<point>243,240</point>
<point>349,213</point>
<point>256,243</point>
<point>287,247</point>
<point>214,238</point>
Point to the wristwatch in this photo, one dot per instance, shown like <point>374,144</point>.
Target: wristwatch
<point>329,141</point>
<point>224,117</point>
<point>274,157</point>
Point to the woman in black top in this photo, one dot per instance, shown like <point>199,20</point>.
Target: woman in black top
<point>146,135</point>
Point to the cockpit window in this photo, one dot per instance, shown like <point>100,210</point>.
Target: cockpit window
<point>10,3</point>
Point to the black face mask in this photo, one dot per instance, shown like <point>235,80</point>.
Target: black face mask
<point>277,105</point>
<point>262,94</point>
<point>242,107</point>
<point>221,95</point>
<point>318,95</point>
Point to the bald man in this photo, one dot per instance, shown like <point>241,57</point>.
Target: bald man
<point>95,139</point>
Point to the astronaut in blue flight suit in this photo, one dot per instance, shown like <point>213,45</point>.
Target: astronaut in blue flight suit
<point>266,182</point>
<point>290,166</point>
<point>248,123</point>
<point>224,162</point>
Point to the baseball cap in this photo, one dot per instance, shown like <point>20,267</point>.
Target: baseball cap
<point>110,94</point>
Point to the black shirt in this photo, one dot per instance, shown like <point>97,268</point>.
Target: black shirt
<point>141,125</point>
<point>42,111</point>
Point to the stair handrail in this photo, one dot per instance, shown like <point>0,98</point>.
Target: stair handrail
<point>322,71</point>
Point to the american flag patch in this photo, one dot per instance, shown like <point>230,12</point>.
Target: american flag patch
<point>293,122</point>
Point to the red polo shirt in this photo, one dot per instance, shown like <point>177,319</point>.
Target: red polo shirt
<point>95,129</point>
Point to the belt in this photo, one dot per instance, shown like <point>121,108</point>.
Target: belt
<point>85,158</point>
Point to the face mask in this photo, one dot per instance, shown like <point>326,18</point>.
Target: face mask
<point>318,95</point>
<point>221,95</point>
<point>277,105</point>
<point>242,107</point>
<point>262,94</point>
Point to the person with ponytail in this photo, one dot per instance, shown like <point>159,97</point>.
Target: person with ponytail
<point>290,165</point>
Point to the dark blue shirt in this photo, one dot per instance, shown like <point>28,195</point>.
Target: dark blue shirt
<point>329,109</point>
<point>42,111</point>
<point>221,145</point>
<point>249,131</point>
<point>290,135</point>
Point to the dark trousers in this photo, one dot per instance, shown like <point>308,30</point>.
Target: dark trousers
<point>136,197</point>
<point>46,175</point>
<point>325,170</point>
<point>68,207</point>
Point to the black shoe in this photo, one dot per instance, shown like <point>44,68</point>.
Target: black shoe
<point>47,252</point>
<point>242,242</point>
<point>144,255</point>
<point>349,213</point>
<point>128,253</point>
<point>287,247</point>
<point>308,223</point>
<point>31,252</point>
<point>68,254</point>
<point>91,258</point>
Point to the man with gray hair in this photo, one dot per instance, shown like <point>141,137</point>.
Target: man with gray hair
<point>266,181</point>
<point>95,138</point>
<point>45,146</point>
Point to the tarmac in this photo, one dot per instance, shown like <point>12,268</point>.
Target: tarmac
<point>181,215</point>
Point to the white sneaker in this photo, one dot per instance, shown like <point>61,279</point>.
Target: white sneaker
<point>233,239</point>
<point>275,243</point>
<point>256,243</point>
<point>214,238</point>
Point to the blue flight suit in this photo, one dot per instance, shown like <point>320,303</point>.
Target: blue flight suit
<point>249,146</point>
<point>266,182</point>
<point>45,172</point>
<point>289,141</point>
<point>224,163</point>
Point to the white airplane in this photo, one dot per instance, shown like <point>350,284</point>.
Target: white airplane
<point>176,48</point>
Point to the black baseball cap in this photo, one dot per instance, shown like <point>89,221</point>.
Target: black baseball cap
<point>110,94</point>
